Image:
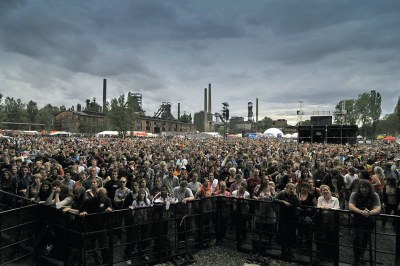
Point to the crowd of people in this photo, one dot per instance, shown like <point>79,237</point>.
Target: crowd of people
<point>92,175</point>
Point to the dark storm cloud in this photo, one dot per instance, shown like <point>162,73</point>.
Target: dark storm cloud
<point>311,30</point>
<point>281,51</point>
<point>85,38</point>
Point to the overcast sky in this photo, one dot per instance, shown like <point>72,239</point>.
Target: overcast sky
<point>282,52</point>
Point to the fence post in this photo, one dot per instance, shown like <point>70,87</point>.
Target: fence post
<point>397,229</point>
<point>1,239</point>
<point>82,256</point>
<point>336,223</point>
<point>237,223</point>
<point>110,219</point>
<point>218,230</point>
<point>201,224</point>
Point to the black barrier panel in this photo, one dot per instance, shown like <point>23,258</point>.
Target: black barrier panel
<point>9,201</point>
<point>17,239</point>
<point>151,235</point>
<point>60,236</point>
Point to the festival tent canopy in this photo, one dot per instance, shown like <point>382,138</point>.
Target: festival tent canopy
<point>107,133</point>
<point>389,138</point>
<point>273,132</point>
<point>60,133</point>
<point>139,134</point>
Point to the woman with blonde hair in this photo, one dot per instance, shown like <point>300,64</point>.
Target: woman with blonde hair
<point>378,181</point>
<point>324,222</point>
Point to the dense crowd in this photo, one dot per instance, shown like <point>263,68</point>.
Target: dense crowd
<point>92,175</point>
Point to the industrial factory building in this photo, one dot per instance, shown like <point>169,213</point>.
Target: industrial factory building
<point>92,118</point>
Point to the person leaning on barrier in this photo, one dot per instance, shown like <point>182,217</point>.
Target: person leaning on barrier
<point>98,204</point>
<point>265,216</point>
<point>324,223</point>
<point>44,193</point>
<point>288,219</point>
<point>183,194</point>
<point>141,218</point>
<point>364,203</point>
<point>307,201</point>
<point>79,198</point>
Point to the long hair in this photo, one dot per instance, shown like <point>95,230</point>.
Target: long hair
<point>80,197</point>
<point>364,201</point>
<point>142,190</point>
<point>379,171</point>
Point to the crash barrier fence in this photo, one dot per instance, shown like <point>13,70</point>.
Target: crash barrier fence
<point>151,235</point>
<point>18,220</point>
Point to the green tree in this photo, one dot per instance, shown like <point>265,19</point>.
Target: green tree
<point>375,109</point>
<point>362,107</point>
<point>32,111</point>
<point>14,111</point>
<point>389,125</point>
<point>304,123</point>
<point>46,116</point>
<point>265,123</point>
<point>1,108</point>
<point>122,115</point>
<point>350,115</point>
<point>396,109</point>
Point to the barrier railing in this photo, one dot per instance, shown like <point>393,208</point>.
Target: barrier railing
<point>151,235</point>
<point>17,228</point>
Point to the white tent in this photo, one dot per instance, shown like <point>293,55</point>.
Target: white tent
<point>107,133</point>
<point>273,132</point>
<point>60,133</point>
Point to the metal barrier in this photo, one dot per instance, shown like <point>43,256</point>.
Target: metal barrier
<point>151,235</point>
<point>17,226</point>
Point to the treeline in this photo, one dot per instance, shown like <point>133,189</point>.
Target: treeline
<point>15,111</point>
<point>122,112</point>
<point>366,112</point>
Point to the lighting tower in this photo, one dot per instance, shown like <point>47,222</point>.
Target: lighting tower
<point>300,113</point>
<point>225,116</point>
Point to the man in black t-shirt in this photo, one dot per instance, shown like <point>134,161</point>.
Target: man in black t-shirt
<point>99,204</point>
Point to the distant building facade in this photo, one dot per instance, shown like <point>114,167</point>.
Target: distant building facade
<point>79,122</point>
<point>82,122</point>
<point>158,125</point>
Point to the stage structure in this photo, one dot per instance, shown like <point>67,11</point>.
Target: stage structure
<point>335,134</point>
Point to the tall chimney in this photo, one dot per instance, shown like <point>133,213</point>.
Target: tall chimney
<point>104,95</point>
<point>205,109</point>
<point>209,103</point>
<point>179,111</point>
<point>256,110</point>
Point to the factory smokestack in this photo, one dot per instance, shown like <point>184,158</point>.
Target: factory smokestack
<point>209,102</point>
<point>104,95</point>
<point>205,109</point>
<point>179,111</point>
